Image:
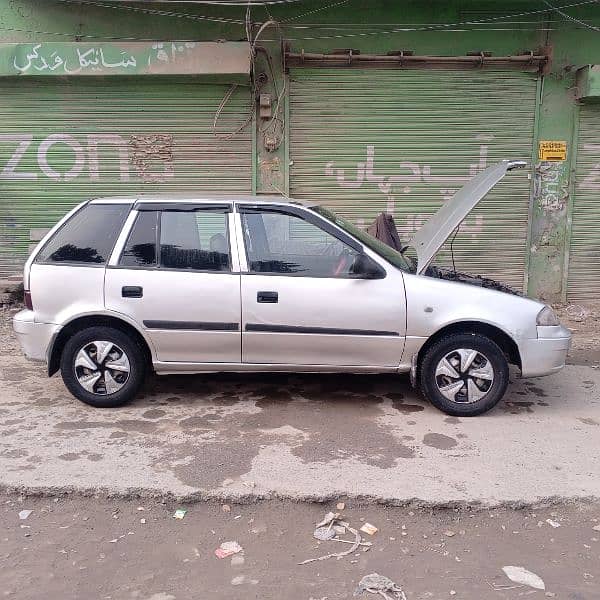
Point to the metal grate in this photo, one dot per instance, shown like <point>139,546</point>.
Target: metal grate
<point>64,142</point>
<point>584,254</point>
<point>366,141</point>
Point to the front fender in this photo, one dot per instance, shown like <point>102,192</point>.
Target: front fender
<point>433,304</point>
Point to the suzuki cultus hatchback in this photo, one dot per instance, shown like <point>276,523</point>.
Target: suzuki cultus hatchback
<point>125,285</point>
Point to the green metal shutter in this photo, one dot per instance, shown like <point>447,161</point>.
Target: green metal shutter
<point>584,254</point>
<point>62,142</point>
<point>366,141</point>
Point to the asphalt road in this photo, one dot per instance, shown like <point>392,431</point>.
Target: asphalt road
<point>301,437</point>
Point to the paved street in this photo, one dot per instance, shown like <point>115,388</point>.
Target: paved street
<point>302,437</point>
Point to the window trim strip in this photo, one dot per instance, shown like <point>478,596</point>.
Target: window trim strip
<point>181,207</point>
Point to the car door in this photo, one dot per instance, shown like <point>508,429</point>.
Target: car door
<point>177,278</point>
<point>301,302</point>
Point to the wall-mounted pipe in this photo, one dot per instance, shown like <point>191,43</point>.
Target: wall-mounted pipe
<point>525,62</point>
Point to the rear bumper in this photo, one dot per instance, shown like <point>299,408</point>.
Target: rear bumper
<point>33,337</point>
<point>547,354</point>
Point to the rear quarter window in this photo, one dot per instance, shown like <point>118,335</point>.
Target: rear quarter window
<point>88,237</point>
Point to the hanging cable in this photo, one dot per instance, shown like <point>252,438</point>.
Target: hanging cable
<point>441,26</point>
<point>316,10</point>
<point>569,17</point>
<point>219,2</point>
<point>233,88</point>
<point>154,11</point>
<point>225,20</point>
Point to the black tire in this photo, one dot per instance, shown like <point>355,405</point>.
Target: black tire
<point>129,346</point>
<point>489,349</point>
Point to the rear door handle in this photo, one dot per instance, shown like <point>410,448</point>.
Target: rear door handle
<point>267,297</point>
<point>132,291</point>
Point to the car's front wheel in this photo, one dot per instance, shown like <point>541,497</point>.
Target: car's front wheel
<point>464,374</point>
<point>102,366</point>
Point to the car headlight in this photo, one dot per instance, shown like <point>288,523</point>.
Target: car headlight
<point>547,318</point>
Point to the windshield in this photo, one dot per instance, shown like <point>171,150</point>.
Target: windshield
<point>393,256</point>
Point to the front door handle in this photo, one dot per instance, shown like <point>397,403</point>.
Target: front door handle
<point>267,297</point>
<point>132,291</point>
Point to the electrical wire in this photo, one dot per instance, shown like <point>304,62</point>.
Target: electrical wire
<point>570,18</point>
<point>441,26</point>
<point>219,2</point>
<point>108,37</point>
<point>84,36</point>
<point>154,11</point>
<point>233,88</point>
<point>397,28</point>
<point>316,10</point>
<point>273,131</point>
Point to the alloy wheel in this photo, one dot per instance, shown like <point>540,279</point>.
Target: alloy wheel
<point>102,367</point>
<point>464,376</point>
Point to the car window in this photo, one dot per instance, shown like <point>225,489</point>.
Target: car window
<point>87,237</point>
<point>195,240</point>
<point>140,249</point>
<point>398,259</point>
<point>277,242</point>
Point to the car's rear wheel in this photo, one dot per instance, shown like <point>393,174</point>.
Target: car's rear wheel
<point>464,375</point>
<point>102,367</point>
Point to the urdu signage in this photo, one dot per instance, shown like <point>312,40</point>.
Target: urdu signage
<point>126,58</point>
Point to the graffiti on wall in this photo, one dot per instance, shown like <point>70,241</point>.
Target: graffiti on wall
<point>552,186</point>
<point>414,173</point>
<point>148,157</point>
<point>408,176</point>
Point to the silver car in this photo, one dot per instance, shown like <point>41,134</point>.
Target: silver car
<point>121,286</point>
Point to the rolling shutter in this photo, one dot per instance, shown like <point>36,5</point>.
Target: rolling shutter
<point>63,142</point>
<point>584,254</point>
<point>365,140</point>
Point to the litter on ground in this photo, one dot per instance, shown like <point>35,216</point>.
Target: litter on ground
<point>369,529</point>
<point>449,533</point>
<point>329,529</point>
<point>379,584</point>
<point>24,514</point>
<point>179,513</point>
<point>524,577</point>
<point>325,533</point>
<point>227,549</point>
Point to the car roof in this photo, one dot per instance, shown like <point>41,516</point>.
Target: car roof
<point>142,198</point>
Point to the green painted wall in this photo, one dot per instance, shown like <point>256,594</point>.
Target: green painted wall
<point>377,26</point>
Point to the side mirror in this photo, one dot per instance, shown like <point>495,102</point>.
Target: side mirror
<point>366,268</point>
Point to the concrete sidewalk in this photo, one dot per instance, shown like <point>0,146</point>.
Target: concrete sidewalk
<point>303,437</point>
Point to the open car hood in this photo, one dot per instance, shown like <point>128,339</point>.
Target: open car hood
<point>432,236</point>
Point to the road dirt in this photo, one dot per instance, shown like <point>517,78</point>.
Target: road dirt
<point>75,548</point>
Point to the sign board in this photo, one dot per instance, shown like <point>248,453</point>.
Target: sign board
<point>225,59</point>
<point>553,151</point>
